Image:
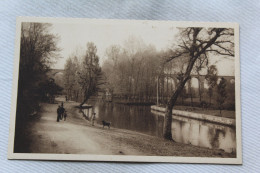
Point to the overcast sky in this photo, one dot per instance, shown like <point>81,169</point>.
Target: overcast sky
<point>75,36</point>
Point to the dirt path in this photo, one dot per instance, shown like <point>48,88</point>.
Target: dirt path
<point>77,136</point>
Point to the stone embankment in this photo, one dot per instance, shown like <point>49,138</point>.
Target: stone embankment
<point>198,116</point>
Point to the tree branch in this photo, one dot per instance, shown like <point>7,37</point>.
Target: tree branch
<point>220,53</point>
<point>175,56</point>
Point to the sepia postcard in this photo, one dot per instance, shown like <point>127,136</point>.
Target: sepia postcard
<point>126,90</point>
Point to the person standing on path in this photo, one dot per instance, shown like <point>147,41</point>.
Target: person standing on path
<point>58,113</point>
<point>62,110</point>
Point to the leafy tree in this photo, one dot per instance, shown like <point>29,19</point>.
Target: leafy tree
<point>211,78</point>
<point>129,70</point>
<point>48,89</point>
<point>38,50</point>
<point>222,93</point>
<point>89,73</point>
<point>70,78</point>
<point>230,88</point>
<point>193,43</point>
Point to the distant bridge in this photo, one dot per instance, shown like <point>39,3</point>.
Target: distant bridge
<point>201,79</point>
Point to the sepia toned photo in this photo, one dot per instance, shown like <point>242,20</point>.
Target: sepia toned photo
<point>126,90</point>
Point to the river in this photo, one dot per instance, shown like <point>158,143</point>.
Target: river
<point>184,130</point>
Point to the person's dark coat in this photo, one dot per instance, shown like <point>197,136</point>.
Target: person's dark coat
<point>58,113</point>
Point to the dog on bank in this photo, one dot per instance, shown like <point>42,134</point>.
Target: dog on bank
<point>106,124</point>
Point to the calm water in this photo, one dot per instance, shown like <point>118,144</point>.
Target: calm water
<point>184,130</point>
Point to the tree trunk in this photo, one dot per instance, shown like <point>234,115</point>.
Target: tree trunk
<point>167,88</point>
<point>191,99</point>
<point>84,101</point>
<point>167,133</point>
<point>190,90</point>
<point>182,98</point>
<point>162,90</point>
<point>199,89</point>
<point>77,96</point>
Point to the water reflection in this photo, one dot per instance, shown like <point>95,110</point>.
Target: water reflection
<point>203,134</point>
<point>184,130</point>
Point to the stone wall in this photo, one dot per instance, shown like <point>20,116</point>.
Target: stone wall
<point>204,117</point>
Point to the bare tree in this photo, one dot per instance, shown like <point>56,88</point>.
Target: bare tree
<point>129,70</point>
<point>195,42</point>
<point>115,70</point>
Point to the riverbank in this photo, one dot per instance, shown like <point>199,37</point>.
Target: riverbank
<point>77,136</point>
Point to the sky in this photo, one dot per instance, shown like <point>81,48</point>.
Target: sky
<point>75,36</point>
